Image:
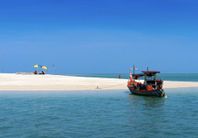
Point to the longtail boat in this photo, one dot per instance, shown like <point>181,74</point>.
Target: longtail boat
<point>149,86</point>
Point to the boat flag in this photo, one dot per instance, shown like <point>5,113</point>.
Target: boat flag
<point>131,77</point>
<point>130,74</point>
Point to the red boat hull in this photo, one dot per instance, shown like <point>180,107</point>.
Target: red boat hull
<point>155,93</point>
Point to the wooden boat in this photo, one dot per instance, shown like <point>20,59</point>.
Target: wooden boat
<point>151,86</point>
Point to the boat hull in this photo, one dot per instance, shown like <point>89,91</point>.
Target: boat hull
<point>154,93</point>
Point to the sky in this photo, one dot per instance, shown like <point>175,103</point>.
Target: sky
<point>99,36</point>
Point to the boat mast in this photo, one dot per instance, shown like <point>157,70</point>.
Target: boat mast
<point>133,69</point>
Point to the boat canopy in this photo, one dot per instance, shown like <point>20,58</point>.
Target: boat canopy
<point>150,73</point>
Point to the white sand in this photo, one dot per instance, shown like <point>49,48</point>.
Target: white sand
<point>19,82</point>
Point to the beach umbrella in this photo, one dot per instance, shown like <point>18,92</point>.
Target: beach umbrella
<point>44,67</point>
<point>36,66</point>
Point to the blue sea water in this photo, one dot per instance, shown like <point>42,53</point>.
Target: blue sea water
<point>98,114</point>
<point>164,76</point>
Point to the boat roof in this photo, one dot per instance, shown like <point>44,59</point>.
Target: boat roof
<point>138,75</point>
<point>150,73</point>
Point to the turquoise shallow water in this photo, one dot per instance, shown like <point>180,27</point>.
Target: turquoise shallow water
<point>98,114</point>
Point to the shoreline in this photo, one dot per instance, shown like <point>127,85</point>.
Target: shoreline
<point>27,82</point>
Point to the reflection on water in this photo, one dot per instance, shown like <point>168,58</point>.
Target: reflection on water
<point>99,114</point>
<point>145,114</point>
